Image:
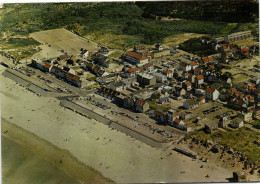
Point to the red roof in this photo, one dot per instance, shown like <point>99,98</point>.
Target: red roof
<point>210,90</point>
<point>233,90</point>
<point>47,66</point>
<point>197,69</point>
<point>237,94</point>
<point>157,113</point>
<point>240,102</point>
<point>223,46</point>
<point>199,77</point>
<point>252,88</point>
<point>132,70</point>
<point>177,120</point>
<point>135,55</point>
<point>73,77</point>
<point>211,66</point>
<point>193,63</point>
<point>140,102</point>
<point>210,59</point>
<point>252,84</point>
<point>205,59</point>
<point>167,71</point>
<point>245,86</point>
<point>187,83</point>
<point>202,97</point>
<point>250,97</point>
<point>148,64</point>
<point>186,74</point>
<point>149,54</point>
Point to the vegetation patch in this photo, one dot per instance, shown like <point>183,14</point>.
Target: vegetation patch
<point>195,46</point>
<point>242,140</point>
<point>117,25</point>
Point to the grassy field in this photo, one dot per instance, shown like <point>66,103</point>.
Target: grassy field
<point>243,140</point>
<point>116,25</point>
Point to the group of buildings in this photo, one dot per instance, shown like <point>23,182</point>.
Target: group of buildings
<point>138,83</point>
<point>196,81</point>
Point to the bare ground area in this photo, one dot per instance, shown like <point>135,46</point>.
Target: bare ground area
<point>242,69</point>
<point>64,40</point>
<point>180,38</point>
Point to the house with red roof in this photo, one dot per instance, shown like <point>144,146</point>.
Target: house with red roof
<point>135,58</point>
<point>141,106</point>
<point>184,67</point>
<point>185,75</point>
<point>186,85</point>
<point>201,99</point>
<point>190,104</point>
<point>133,71</point>
<point>199,79</point>
<point>249,98</point>
<point>244,51</point>
<point>206,60</point>
<point>168,73</point>
<point>149,67</point>
<point>47,67</point>
<point>178,123</point>
<point>197,71</point>
<point>211,94</point>
<point>160,116</point>
<point>73,79</point>
<point>191,78</point>
<point>194,64</point>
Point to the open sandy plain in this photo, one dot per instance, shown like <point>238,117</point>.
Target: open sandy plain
<point>114,154</point>
<point>64,40</point>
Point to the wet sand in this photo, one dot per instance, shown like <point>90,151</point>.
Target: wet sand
<point>112,153</point>
<point>17,162</point>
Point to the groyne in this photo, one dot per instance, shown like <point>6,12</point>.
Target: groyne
<point>115,125</point>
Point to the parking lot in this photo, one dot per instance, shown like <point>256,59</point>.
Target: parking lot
<point>208,112</point>
<point>109,109</point>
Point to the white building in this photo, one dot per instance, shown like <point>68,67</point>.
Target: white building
<point>160,77</point>
<point>212,94</point>
<point>185,67</point>
<point>135,58</point>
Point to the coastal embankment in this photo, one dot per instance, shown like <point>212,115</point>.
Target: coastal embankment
<point>152,141</point>
<point>25,81</point>
<point>28,83</point>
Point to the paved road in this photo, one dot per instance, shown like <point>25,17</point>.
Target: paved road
<point>142,117</point>
<point>252,128</point>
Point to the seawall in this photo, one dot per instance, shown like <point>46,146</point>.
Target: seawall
<point>93,115</point>
<point>28,84</point>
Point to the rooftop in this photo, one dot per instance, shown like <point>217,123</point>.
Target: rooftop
<point>144,75</point>
<point>135,55</point>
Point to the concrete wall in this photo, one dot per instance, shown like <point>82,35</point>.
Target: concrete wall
<point>25,81</point>
<point>90,114</point>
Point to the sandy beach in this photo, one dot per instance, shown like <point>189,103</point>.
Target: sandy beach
<point>114,154</point>
<point>17,162</point>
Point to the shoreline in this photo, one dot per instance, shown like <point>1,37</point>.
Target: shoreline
<point>110,152</point>
<point>147,137</point>
<point>60,158</point>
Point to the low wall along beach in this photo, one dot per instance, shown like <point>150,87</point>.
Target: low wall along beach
<point>91,114</point>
